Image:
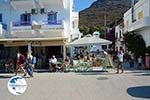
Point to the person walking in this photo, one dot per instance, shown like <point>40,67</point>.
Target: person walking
<point>139,62</point>
<point>131,61</point>
<point>52,63</point>
<point>20,63</point>
<point>120,61</point>
<point>30,64</point>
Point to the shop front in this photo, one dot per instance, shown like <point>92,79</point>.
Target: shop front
<point>41,49</point>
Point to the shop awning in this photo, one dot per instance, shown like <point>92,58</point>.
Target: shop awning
<point>34,41</point>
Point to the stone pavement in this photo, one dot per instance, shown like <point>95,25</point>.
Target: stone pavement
<point>131,85</point>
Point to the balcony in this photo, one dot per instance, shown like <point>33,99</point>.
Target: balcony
<point>145,22</point>
<point>23,4</point>
<point>52,28</point>
<point>29,4</point>
<point>40,29</point>
<point>27,25</point>
<point>53,24</point>
<point>21,25</point>
<point>52,4</point>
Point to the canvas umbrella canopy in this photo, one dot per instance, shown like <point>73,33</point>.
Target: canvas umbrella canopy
<point>90,40</point>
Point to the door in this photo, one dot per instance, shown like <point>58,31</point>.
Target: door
<point>25,19</point>
<point>52,18</point>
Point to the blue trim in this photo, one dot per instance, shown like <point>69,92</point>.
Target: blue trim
<point>52,18</point>
<point>25,19</point>
<point>1,17</point>
<point>4,26</point>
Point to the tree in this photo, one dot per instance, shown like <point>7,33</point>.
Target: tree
<point>89,30</point>
<point>135,43</point>
<point>84,30</point>
<point>148,50</point>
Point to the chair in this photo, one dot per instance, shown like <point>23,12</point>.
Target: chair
<point>85,65</point>
<point>68,68</point>
<point>9,66</point>
<point>73,67</point>
<point>82,65</point>
<point>58,66</point>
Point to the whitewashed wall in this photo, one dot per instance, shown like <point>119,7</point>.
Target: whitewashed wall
<point>142,5</point>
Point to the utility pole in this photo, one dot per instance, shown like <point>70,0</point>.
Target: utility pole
<point>105,24</point>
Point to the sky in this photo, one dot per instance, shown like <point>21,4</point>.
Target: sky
<point>82,4</point>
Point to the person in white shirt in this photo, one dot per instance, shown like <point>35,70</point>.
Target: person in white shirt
<point>52,62</point>
<point>140,61</point>
<point>120,61</point>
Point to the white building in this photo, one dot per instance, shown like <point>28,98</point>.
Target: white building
<point>141,23</point>
<point>43,26</point>
<point>119,42</point>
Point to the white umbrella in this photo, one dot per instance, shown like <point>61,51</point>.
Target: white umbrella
<point>90,40</point>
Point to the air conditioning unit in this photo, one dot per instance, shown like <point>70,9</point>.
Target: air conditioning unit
<point>34,11</point>
<point>42,11</point>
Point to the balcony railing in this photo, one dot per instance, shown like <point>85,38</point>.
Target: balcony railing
<point>53,24</point>
<point>22,23</point>
<point>49,22</point>
<point>45,22</point>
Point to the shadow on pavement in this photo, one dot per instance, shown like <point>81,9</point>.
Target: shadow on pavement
<point>5,76</point>
<point>102,78</point>
<point>144,74</point>
<point>43,72</point>
<point>134,72</point>
<point>139,92</point>
<point>94,73</point>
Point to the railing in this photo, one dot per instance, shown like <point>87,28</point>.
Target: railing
<point>22,23</point>
<point>49,22</point>
<point>45,22</point>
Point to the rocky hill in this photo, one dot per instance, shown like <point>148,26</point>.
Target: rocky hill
<point>111,10</point>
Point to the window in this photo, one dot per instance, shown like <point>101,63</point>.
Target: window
<point>73,8</point>
<point>116,35</point>
<point>1,19</point>
<point>127,23</point>
<point>25,19</point>
<point>42,10</point>
<point>52,17</point>
<point>120,35</point>
<point>140,15</point>
<point>73,24</point>
<point>34,11</point>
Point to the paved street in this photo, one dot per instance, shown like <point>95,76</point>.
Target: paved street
<point>131,85</point>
